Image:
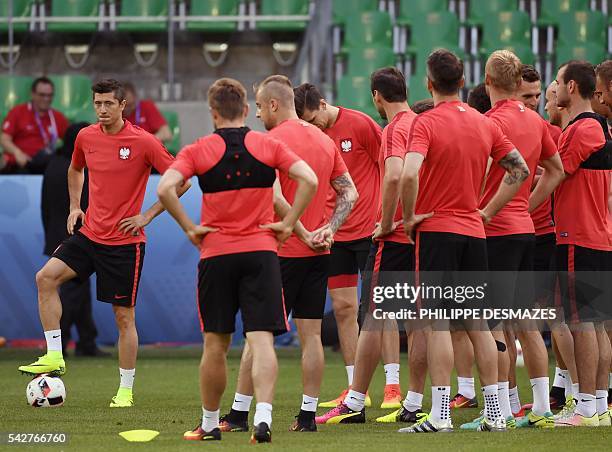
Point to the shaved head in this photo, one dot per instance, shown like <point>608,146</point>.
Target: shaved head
<point>274,100</point>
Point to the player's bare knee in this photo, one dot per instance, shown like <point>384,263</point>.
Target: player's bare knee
<point>45,281</point>
<point>344,309</point>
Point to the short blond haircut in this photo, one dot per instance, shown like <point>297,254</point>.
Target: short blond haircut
<point>505,70</point>
<point>227,97</point>
<point>277,87</point>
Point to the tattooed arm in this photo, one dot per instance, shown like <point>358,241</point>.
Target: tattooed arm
<point>346,197</point>
<point>517,172</point>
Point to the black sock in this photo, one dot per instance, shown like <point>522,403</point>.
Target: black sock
<point>238,416</point>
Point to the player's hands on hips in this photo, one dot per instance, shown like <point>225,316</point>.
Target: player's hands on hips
<point>383,230</point>
<point>411,224</point>
<point>133,225</point>
<point>21,158</point>
<point>74,216</point>
<point>486,218</point>
<point>197,233</point>
<point>283,231</point>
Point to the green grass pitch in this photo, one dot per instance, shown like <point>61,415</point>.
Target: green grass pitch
<point>167,400</point>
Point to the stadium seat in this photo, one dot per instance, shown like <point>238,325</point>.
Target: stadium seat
<point>74,8</point>
<point>283,8</point>
<point>21,9</point>
<point>342,10</point>
<point>592,52</point>
<point>551,10</point>
<point>213,8</point>
<point>508,30</point>
<point>143,8</point>
<point>432,31</point>
<point>417,87</point>
<point>366,60</point>
<point>72,95</point>
<point>369,29</point>
<point>481,11</point>
<point>411,11</point>
<point>173,122</point>
<point>582,27</point>
<point>354,92</point>
<point>13,90</point>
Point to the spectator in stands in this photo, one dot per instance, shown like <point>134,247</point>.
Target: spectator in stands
<point>422,106</point>
<point>74,294</point>
<point>479,99</point>
<point>30,131</point>
<point>144,114</point>
<point>531,87</point>
<point>603,89</point>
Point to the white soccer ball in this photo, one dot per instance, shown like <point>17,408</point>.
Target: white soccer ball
<point>45,391</point>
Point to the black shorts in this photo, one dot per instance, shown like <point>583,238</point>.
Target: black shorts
<point>347,260</point>
<point>544,269</point>
<point>117,267</point>
<point>305,285</point>
<point>388,264</point>
<point>249,282</point>
<point>585,283</point>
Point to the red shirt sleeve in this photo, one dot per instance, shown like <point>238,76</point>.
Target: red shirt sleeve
<point>185,162</point>
<point>78,156</point>
<point>155,119</point>
<point>9,126</point>
<point>421,135</point>
<point>549,147</point>
<point>371,137</point>
<point>157,155</point>
<point>501,144</point>
<point>579,143</point>
<point>61,122</point>
<point>339,165</point>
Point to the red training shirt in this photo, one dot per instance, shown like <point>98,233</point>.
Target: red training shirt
<point>581,200</point>
<point>529,133</point>
<point>456,141</point>
<point>147,116</point>
<point>119,167</point>
<point>357,136</point>
<point>316,149</point>
<point>394,143</point>
<point>20,124</point>
<point>237,214</point>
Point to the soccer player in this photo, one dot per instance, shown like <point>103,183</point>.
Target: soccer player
<point>422,106</point>
<point>584,237</point>
<point>111,242</point>
<point>441,184</point>
<point>238,244</point>
<point>479,99</point>
<point>389,253</point>
<point>603,89</point>
<point>357,136</point>
<point>530,90</point>
<point>511,234</point>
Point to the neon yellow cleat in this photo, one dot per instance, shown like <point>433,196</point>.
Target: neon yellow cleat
<point>338,400</point>
<point>52,363</point>
<point>392,398</point>
<point>533,420</point>
<point>123,399</point>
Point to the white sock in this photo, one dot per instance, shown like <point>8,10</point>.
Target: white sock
<point>586,405</point>
<point>515,401</point>
<point>263,413</point>
<point>503,396</point>
<point>561,378</point>
<point>309,403</point>
<point>575,390</point>
<point>210,420</point>
<point>355,400</point>
<point>491,401</point>
<point>440,403</point>
<point>127,378</point>
<point>242,402</point>
<point>413,401</point>
<point>541,400</point>
<point>392,373</point>
<point>466,387</point>
<point>610,381</point>
<point>349,374</point>
<point>601,401</point>
<point>54,340</point>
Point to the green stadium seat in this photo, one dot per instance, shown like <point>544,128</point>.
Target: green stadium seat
<point>213,8</point>
<point>508,30</point>
<point>144,8</point>
<point>480,11</point>
<point>354,92</point>
<point>366,60</point>
<point>582,27</point>
<point>342,9</point>
<point>72,95</point>
<point>21,9</point>
<point>417,89</point>
<point>13,90</point>
<point>551,10</point>
<point>411,11</point>
<point>283,8</point>
<point>594,53</point>
<point>74,8</point>
<point>434,30</point>
<point>173,122</point>
<point>370,29</point>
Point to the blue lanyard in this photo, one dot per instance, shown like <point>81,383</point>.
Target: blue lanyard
<point>49,141</point>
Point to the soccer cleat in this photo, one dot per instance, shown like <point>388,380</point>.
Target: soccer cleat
<point>605,420</point>
<point>261,433</point>
<point>520,413</point>
<point>227,423</point>
<point>557,397</point>
<point>460,401</point>
<point>578,420</point>
<point>401,415</point>
<point>198,434</point>
<point>342,415</point>
<point>510,423</point>
<point>392,398</point>
<point>303,425</point>
<point>338,400</point>
<point>567,411</point>
<point>427,425</point>
<point>123,399</point>
<point>498,425</point>
<point>52,363</point>
<point>533,420</point>
<point>473,425</point>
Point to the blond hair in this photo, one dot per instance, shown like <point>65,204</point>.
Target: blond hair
<point>228,98</point>
<point>277,87</point>
<point>505,70</point>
